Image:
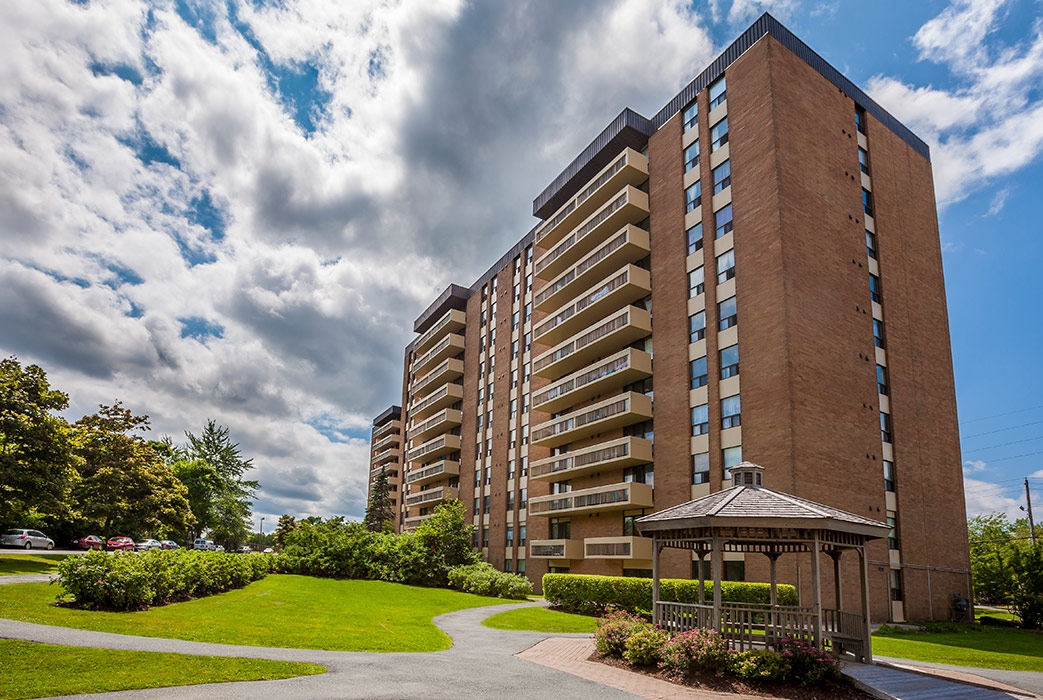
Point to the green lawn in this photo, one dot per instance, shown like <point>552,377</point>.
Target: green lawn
<point>32,670</point>
<point>991,647</point>
<point>541,620</point>
<point>279,611</point>
<point>998,613</point>
<point>11,564</point>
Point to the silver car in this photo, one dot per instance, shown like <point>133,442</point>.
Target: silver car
<point>144,545</point>
<point>26,539</point>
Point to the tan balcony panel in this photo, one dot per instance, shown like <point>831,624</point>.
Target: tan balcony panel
<point>392,426</point>
<point>620,289</point>
<point>615,412</point>
<point>556,549</point>
<point>432,496</point>
<point>388,455</point>
<point>629,168</point>
<point>386,441</point>
<point>440,446</point>
<point>599,498</point>
<point>442,374</point>
<point>439,423</point>
<point>450,346</point>
<point>440,398</point>
<point>629,206</point>
<point>452,322</point>
<point>430,473</point>
<point>606,456</point>
<point>618,330</point>
<point>628,245</point>
<point>603,377</point>
<point>412,523</point>
<point>391,469</point>
<point>617,548</point>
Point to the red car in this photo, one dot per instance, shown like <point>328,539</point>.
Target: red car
<point>124,543</point>
<point>87,542</point>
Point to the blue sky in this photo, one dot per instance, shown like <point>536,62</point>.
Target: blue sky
<point>234,210</point>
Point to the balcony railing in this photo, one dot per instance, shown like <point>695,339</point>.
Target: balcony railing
<point>607,456</point>
<point>616,412</point>
<point>445,396</point>
<point>386,456</point>
<point>617,330</point>
<point>453,321</point>
<point>385,442</point>
<point>599,498</point>
<point>442,445</point>
<point>450,346</point>
<point>556,549</point>
<point>627,246</point>
<point>442,422</point>
<point>622,288</point>
<point>412,523</point>
<point>442,374</point>
<point>432,496</point>
<point>604,376</point>
<point>433,472</point>
<point>617,548</point>
<point>389,427</point>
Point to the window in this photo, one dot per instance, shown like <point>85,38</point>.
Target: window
<point>507,565</point>
<point>525,463</point>
<point>528,311</point>
<point>731,413</point>
<point>515,317</point>
<point>512,439</point>
<point>510,501</point>
<point>885,427</point>
<point>696,327</point>
<point>731,457</point>
<point>488,453</point>
<point>722,176</point>
<point>479,426</point>
<point>691,156</point>
<point>871,244</point>
<point>695,238</point>
<point>514,378</point>
<point>881,379</point>
<point>521,543</point>
<point>889,476</point>
<point>896,585</point>
<point>878,333</point>
<point>700,419</point>
<point>867,202</point>
<point>640,475</point>
<point>696,282</point>
<point>690,116</point>
<point>525,430</point>
<point>560,529</point>
<point>488,474</point>
<point>523,499</point>
<point>874,288</point>
<point>701,468</point>
<point>727,314</point>
<point>478,472</point>
<point>521,562</point>
<point>699,376</point>
<point>718,92</point>
<point>485,504</point>
<point>693,196</point>
<point>510,468</point>
<point>863,160</point>
<point>510,538</point>
<point>725,266</point>
<point>514,347</point>
<point>630,528</point>
<point>722,220</point>
<point>485,537</point>
<point>719,134</point>
<point>525,405</point>
<point>892,536</point>
<point>477,506</point>
<point>729,361</point>
<point>860,119</point>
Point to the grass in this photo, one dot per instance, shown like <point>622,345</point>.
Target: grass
<point>12,564</point>
<point>541,620</point>
<point>984,647</point>
<point>998,613</point>
<point>32,670</point>
<point>279,611</point>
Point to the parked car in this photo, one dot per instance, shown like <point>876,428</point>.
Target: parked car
<point>120,543</point>
<point>147,544</point>
<point>245,549</point>
<point>26,539</point>
<point>219,548</point>
<point>204,544</point>
<point>87,542</point>
<point>169,544</point>
<point>269,550</point>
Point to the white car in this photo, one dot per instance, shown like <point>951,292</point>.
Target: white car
<point>203,544</point>
<point>145,545</point>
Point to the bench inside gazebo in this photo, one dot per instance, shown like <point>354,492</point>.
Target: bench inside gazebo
<point>752,519</point>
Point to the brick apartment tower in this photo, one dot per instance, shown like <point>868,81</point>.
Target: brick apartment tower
<point>771,218</point>
<point>386,452</point>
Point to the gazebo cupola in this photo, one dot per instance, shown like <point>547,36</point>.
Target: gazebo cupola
<point>747,474</point>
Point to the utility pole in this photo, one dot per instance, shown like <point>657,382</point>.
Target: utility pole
<point>1028,509</point>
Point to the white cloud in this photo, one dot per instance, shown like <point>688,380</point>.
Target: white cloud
<point>999,200</point>
<point>984,497</point>
<point>974,465</point>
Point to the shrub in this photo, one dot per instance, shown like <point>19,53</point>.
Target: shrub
<point>760,664</point>
<point>614,630</point>
<point>808,664</point>
<point>645,646</point>
<point>484,579</point>
<point>696,650</point>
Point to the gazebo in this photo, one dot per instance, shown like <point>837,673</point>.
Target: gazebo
<point>749,518</point>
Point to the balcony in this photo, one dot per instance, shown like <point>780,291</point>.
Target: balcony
<point>442,374</point>
<point>440,423</point>
<point>605,456</point>
<point>453,321</point>
<point>603,377</point>
<point>391,469</point>
<point>629,207</point>
<point>441,398</point>
<point>630,168</point>
<point>433,472</point>
<point>615,412</point>
<point>412,523</point>
<point>600,498</point>
<point>556,549</point>
<point>439,447</point>
<point>627,246</point>
<point>618,330</point>
<point>617,548</point>
<point>432,496</point>
<point>450,346</point>
<point>386,442</point>
<point>388,455</point>
<point>624,287</point>
<point>392,426</point>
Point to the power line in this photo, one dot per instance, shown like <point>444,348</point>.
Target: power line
<point>1004,459</point>
<point>1003,444</point>
<point>1001,430</point>
<point>1001,415</point>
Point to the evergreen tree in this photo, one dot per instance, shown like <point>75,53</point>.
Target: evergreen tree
<point>380,515</point>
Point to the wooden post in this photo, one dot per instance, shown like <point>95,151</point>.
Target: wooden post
<point>774,599</point>
<point>655,580</point>
<point>816,591</point>
<point>838,586</point>
<point>863,571</point>
<point>702,579</point>
<point>717,555</point>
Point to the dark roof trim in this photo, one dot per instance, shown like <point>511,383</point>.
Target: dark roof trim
<point>391,413</point>
<point>605,147</point>
<point>454,297</point>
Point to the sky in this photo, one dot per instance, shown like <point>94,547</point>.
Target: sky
<point>235,210</point>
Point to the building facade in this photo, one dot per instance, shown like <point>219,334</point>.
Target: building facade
<point>385,454</point>
<point>753,273</point>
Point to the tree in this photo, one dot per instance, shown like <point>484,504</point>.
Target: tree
<point>222,497</point>
<point>380,514</point>
<point>36,457</point>
<point>286,525</point>
<point>1007,569</point>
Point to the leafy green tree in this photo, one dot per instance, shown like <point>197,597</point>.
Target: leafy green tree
<point>36,456</point>
<point>380,514</point>
<point>286,525</point>
<point>1026,594</point>
<point>1006,568</point>
<point>448,536</point>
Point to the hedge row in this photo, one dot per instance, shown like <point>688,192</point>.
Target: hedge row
<point>595,594</point>
<point>133,581</point>
<point>484,579</point>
